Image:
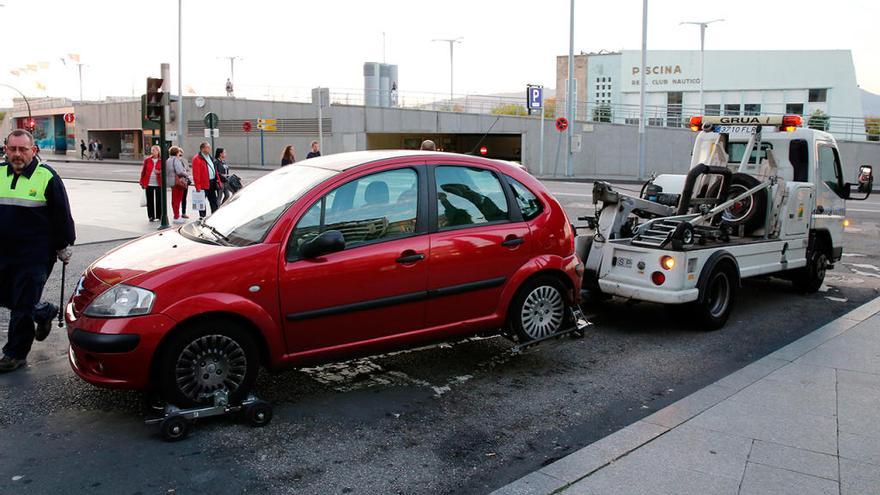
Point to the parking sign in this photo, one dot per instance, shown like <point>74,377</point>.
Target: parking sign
<point>535,97</point>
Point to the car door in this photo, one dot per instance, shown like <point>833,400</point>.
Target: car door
<point>830,202</point>
<point>376,286</point>
<point>479,242</point>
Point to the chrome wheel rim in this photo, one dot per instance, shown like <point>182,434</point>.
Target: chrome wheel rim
<point>719,296</point>
<point>542,312</point>
<point>209,364</point>
<point>741,209</point>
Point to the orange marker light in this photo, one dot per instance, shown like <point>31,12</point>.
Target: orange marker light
<point>667,262</point>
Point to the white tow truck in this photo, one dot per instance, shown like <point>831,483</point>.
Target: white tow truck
<point>764,196</point>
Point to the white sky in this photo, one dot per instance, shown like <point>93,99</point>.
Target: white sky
<point>296,45</point>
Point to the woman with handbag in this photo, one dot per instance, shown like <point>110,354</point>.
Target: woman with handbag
<point>177,169</point>
<point>151,182</point>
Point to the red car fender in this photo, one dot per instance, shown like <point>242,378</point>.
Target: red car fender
<point>547,262</point>
<point>230,303</point>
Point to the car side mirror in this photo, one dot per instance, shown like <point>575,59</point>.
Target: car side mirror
<point>327,242</point>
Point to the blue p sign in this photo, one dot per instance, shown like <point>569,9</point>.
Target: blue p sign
<point>536,97</point>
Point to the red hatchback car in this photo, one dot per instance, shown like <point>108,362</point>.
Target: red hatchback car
<point>343,255</point>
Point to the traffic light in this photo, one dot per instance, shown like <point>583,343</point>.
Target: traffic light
<point>30,125</point>
<point>155,104</point>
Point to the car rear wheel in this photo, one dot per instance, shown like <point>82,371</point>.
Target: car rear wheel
<point>207,357</point>
<point>539,309</point>
<point>716,300</point>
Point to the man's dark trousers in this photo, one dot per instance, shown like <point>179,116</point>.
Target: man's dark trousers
<point>211,196</point>
<point>21,286</point>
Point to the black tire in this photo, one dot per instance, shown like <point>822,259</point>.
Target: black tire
<point>258,414</point>
<point>174,428</point>
<point>539,308</point>
<point>811,277</point>
<point>205,357</point>
<point>750,212</point>
<point>717,298</point>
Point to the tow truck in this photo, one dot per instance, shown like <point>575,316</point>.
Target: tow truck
<point>763,196</point>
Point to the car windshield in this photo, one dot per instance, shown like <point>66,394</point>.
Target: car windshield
<point>247,217</point>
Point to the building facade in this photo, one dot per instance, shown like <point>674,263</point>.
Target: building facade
<point>817,84</point>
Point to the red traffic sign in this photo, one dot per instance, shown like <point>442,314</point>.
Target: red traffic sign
<point>69,118</point>
<point>561,124</point>
<point>246,126</point>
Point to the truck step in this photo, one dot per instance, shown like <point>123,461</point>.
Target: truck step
<point>659,232</point>
<point>648,243</point>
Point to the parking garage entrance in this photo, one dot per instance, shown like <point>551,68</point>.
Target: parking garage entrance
<point>499,146</point>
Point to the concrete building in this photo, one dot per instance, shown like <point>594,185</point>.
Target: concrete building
<point>808,83</point>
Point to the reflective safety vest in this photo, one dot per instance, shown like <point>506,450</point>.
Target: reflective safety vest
<point>28,192</point>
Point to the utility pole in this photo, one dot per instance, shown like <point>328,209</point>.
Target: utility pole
<point>642,112</point>
<point>703,25</point>
<point>232,66</point>
<point>451,42</point>
<point>180,73</point>
<point>571,101</point>
<point>79,67</point>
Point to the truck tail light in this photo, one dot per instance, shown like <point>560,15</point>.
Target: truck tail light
<point>658,278</point>
<point>667,262</point>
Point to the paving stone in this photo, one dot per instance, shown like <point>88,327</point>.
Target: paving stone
<point>696,449</point>
<point>688,407</point>
<point>858,403</point>
<point>804,431</point>
<point>846,352</point>
<point>789,397</point>
<point>858,478</point>
<point>764,479</point>
<point>631,476</point>
<point>792,459</point>
<point>858,447</point>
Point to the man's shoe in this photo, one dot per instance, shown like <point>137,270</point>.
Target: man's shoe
<point>44,316</point>
<point>8,364</point>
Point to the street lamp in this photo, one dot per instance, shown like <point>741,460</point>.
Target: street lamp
<point>451,42</point>
<point>703,25</point>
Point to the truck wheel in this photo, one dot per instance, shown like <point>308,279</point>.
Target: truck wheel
<point>538,309</point>
<point>749,212</point>
<point>716,299</point>
<point>811,277</point>
<point>206,357</point>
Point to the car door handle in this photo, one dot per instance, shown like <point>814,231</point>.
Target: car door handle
<point>513,241</point>
<point>410,257</point>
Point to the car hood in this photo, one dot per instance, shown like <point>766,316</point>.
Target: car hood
<point>150,254</point>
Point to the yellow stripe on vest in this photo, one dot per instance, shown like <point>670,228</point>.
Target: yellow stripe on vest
<point>28,192</point>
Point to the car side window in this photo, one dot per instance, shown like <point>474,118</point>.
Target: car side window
<point>829,169</point>
<point>468,196</point>
<point>528,203</point>
<point>370,208</point>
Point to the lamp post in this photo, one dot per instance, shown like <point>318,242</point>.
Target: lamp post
<point>26,102</point>
<point>642,112</point>
<point>180,73</point>
<point>703,25</point>
<point>571,100</point>
<point>452,43</point>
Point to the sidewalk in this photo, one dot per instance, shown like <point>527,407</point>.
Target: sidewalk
<point>803,420</point>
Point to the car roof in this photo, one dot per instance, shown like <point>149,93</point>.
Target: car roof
<point>340,162</point>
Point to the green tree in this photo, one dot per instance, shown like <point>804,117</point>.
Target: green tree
<point>509,109</point>
<point>818,120</point>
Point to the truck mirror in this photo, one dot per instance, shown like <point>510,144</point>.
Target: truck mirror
<point>866,179</point>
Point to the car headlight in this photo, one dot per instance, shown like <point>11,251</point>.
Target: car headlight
<point>121,300</point>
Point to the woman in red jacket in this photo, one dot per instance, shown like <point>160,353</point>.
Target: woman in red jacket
<point>205,176</point>
<point>151,181</point>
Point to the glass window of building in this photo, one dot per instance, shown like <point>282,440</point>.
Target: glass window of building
<point>712,110</point>
<point>752,109</point>
<point>673,109</point>
<point>817,95</point>
<point>794,108</point>
<point>731,109</point>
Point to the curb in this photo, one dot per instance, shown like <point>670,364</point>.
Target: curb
<point>579,465</point>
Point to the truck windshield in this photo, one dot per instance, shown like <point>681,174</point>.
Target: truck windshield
<point>247,217</point>
<point>735,152</point>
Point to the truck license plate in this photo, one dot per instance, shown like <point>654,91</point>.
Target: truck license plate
<point>624,262</point>
<point>735,129</point>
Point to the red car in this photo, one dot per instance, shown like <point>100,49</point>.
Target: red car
<point>343,255</point>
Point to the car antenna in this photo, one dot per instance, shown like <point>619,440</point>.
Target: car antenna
<point>471,152</point>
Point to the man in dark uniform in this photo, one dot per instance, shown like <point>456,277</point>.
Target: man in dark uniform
<point>36,227</point>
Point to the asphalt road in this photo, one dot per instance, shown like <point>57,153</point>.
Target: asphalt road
<point>462,417</point>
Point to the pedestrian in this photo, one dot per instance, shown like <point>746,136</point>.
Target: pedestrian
<point>223,172</point>
<point>99,150</point>
<point>37,229</point>
<point>315,151</point>
<point>205,177</point>
<point>229,91</point>
<point>91,149</point>
<point>182,155</point>
<point>428,145</point>
<point>288,156</point>
<point>151,182</point>
<point>82,149</point>
<point>179,182</point>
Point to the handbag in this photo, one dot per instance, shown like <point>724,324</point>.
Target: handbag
<point>181,182</point>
